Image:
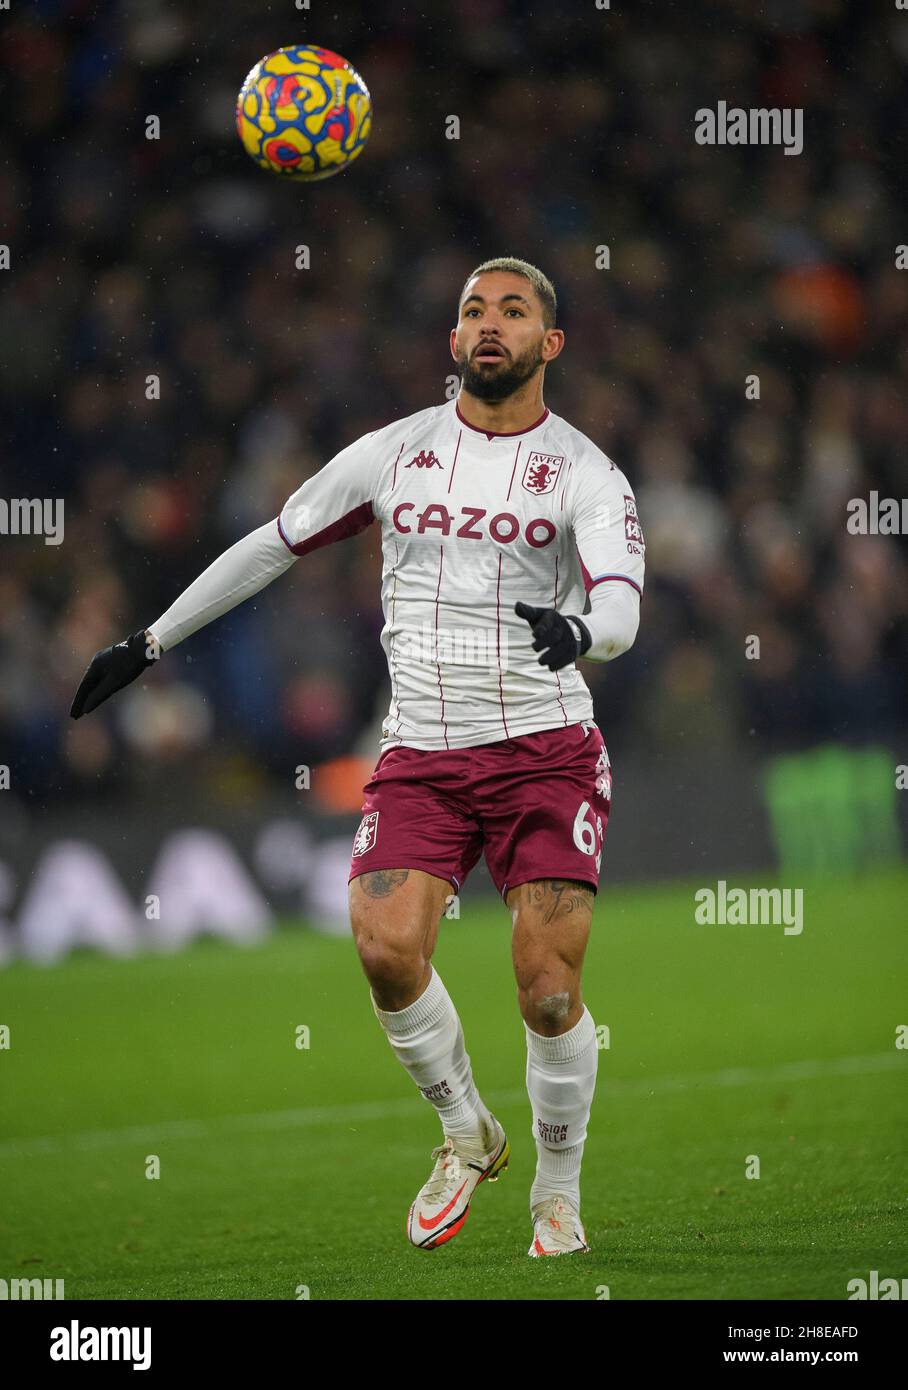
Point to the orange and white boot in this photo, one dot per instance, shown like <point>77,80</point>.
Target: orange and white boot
<point>442,1204</point>
<point>557,1229</point>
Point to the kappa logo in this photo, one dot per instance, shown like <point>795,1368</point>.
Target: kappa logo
<point>366,834</point>
<point>424,460</point>
<point>541,472</point>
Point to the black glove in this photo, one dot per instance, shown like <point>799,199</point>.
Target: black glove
<point>553,630</point>
<point>110,670</point>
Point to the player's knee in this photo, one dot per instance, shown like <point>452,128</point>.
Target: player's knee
<point>390,964</point>
<point>554,1008</point>
<point>548,997</point>
<point>549,1011</point>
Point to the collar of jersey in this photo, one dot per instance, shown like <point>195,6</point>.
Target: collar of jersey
<point>497,434</point>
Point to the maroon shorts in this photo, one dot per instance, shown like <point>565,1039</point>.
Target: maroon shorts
<point>537,805</point>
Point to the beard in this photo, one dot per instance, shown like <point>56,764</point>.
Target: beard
<point>495,381</point>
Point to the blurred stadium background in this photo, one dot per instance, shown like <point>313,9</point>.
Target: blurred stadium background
<point>176,257</point>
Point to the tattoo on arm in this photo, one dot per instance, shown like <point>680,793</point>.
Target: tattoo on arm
<point>561,895</point>
<point>382,882</point>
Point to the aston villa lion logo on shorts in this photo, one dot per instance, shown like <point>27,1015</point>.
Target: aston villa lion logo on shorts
<point>365,835</point>
<point>541,472</point>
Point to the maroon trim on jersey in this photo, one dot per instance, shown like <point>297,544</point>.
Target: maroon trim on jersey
<point>604,579</point>
<point>507,732</point>
<point>565,483</point>
<point>391,662</point>
<point>454,464</point>
<point>349,525</point>
<point>557,674</point>
<point>441,689</point>
<point>514,471</point>
<point>590,583</point>
<point>396,462</point>
<point>501,434</point>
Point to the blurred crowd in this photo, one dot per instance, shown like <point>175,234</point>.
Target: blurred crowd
<point>176,258</point>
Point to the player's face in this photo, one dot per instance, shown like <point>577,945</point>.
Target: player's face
<point>500,336</point>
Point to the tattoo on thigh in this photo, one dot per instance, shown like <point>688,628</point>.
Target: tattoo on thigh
<point>381,883</point>
<point>554,895</point>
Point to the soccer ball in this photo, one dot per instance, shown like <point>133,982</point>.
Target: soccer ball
<point>304,113</point>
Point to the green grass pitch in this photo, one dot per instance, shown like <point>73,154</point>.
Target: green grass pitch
<point>283,1167</point>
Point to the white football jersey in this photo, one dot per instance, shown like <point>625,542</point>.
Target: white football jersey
<point>472,523</point>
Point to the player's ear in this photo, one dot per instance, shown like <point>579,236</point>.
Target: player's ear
<point>453,346</point>
<point>554,338</point>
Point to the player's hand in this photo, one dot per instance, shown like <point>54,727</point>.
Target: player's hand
<point>109,670</point>
<point>553,630</point>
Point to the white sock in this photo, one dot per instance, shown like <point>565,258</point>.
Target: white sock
<point>428,1039</point>
<point>561,1080</point>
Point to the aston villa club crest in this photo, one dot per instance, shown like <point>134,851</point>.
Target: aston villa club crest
<point>541,472</point>
<point>365,835</point>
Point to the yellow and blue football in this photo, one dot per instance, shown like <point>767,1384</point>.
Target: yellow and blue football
<point>304,113</point>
